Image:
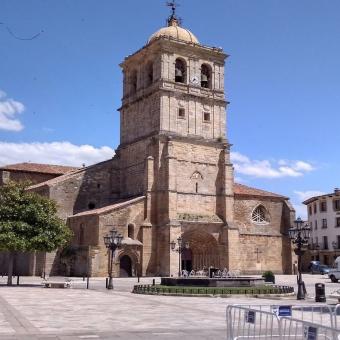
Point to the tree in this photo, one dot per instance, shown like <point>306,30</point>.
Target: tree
<point>28,222</point>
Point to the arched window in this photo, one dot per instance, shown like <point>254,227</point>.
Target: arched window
<point>133,82</point>
<point>131,231</point>
<point>206,76</point>
<point>260,215</point>
<point>149,74</point>
<point>180,71</point>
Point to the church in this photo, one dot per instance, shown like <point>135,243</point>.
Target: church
<point>171,176</point>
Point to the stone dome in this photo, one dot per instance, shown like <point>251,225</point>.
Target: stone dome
<point>174,31</point>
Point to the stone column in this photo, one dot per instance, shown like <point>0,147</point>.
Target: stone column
<point>229,186</point>
<point>225,206</point>
<point>171,162</point>
<point>175,231</point>
<point>149,180</point>
<point>51,263</point>
<point>234,249</point>
<point>147,248</point>
<point>32,263</point>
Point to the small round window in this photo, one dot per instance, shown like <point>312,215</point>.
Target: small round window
<point>260,215</point>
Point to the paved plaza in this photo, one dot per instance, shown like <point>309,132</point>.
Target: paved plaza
<point>31,312</point>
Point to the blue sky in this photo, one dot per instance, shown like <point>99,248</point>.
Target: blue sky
<point>60,91</point>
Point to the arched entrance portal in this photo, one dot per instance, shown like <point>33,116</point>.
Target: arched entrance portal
<point>125,266</point>
<point>203,250</point>
<point>187,260</point>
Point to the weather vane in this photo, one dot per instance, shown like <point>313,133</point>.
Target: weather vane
<point>173,4</point>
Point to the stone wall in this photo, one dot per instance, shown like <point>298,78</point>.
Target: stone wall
<point>21,176</point>
<point>131,165</point>
<point>90,228</point>
<point>270,254</point>
<point>244,207</point>
<point>264,246</point>
<point>140,118</point>
<point>87,188</point>
<point>192,123</point>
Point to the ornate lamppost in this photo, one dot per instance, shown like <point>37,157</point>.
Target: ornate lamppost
<point>300,235</point>
<point>112,241</point>
<point>180,249</point>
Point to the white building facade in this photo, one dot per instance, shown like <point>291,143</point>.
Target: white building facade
<point>324,219</point>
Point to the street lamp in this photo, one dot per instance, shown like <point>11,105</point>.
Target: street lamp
<point>112,241</point>
<point>300,236</point>
<point>180,249</point>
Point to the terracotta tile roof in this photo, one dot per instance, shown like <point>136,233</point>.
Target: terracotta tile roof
<point>109,208</point>
<point>40,168</point>
<point>240,189</point>
<point>67,175</point>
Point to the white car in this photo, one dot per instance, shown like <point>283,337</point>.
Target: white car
<point>334,273</point>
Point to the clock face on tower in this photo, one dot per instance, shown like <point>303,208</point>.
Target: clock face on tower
<point>194,80</point>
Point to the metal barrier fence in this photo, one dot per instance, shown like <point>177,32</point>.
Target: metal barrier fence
<point>309,322</point>
<point>337,316</point>
<point>297,329</point>
<point>247,323</point>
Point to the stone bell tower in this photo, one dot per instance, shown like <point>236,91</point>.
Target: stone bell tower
<point>173,146</point>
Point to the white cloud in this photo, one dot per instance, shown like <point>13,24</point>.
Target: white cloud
<point>303,166</point>
<point>9,108</point>
<point>304,195</point>
<point>62,153</point>
<point>300,211</point>
<point>269,169</point>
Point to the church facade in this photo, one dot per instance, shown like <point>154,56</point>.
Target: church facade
<point>170,177</point>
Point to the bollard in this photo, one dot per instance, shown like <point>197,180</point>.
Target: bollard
<point>106,282</point>
<point>320,295</point>
<point>87,282</point>
<point>153,282</point>
<point>18,280</point>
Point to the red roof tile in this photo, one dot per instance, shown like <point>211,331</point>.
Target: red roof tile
<point>240,189</point>
<point>40,168</point>
<point>109,208</point>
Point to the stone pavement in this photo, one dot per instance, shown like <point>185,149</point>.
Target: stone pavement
<point>28,312</point>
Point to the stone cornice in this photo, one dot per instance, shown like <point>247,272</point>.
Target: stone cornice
<point>165,44</point>
<point>188,90</point>
<point>192,139</point>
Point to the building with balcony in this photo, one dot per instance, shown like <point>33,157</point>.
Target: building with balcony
<point>324,219</point>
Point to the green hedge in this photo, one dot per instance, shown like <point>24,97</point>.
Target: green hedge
<point>181,290</point>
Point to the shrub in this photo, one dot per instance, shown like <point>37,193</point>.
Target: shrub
<point>269,276</point>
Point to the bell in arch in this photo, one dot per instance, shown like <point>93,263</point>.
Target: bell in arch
<point>178,75</point>
<point>204,78</point>
<point>178,72</point>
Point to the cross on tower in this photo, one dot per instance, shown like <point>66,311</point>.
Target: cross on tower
<point>173,6</point>
<point>257,252</point>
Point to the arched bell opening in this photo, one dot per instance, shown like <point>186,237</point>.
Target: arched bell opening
<point>180,71</point>
<point>206,76</point>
